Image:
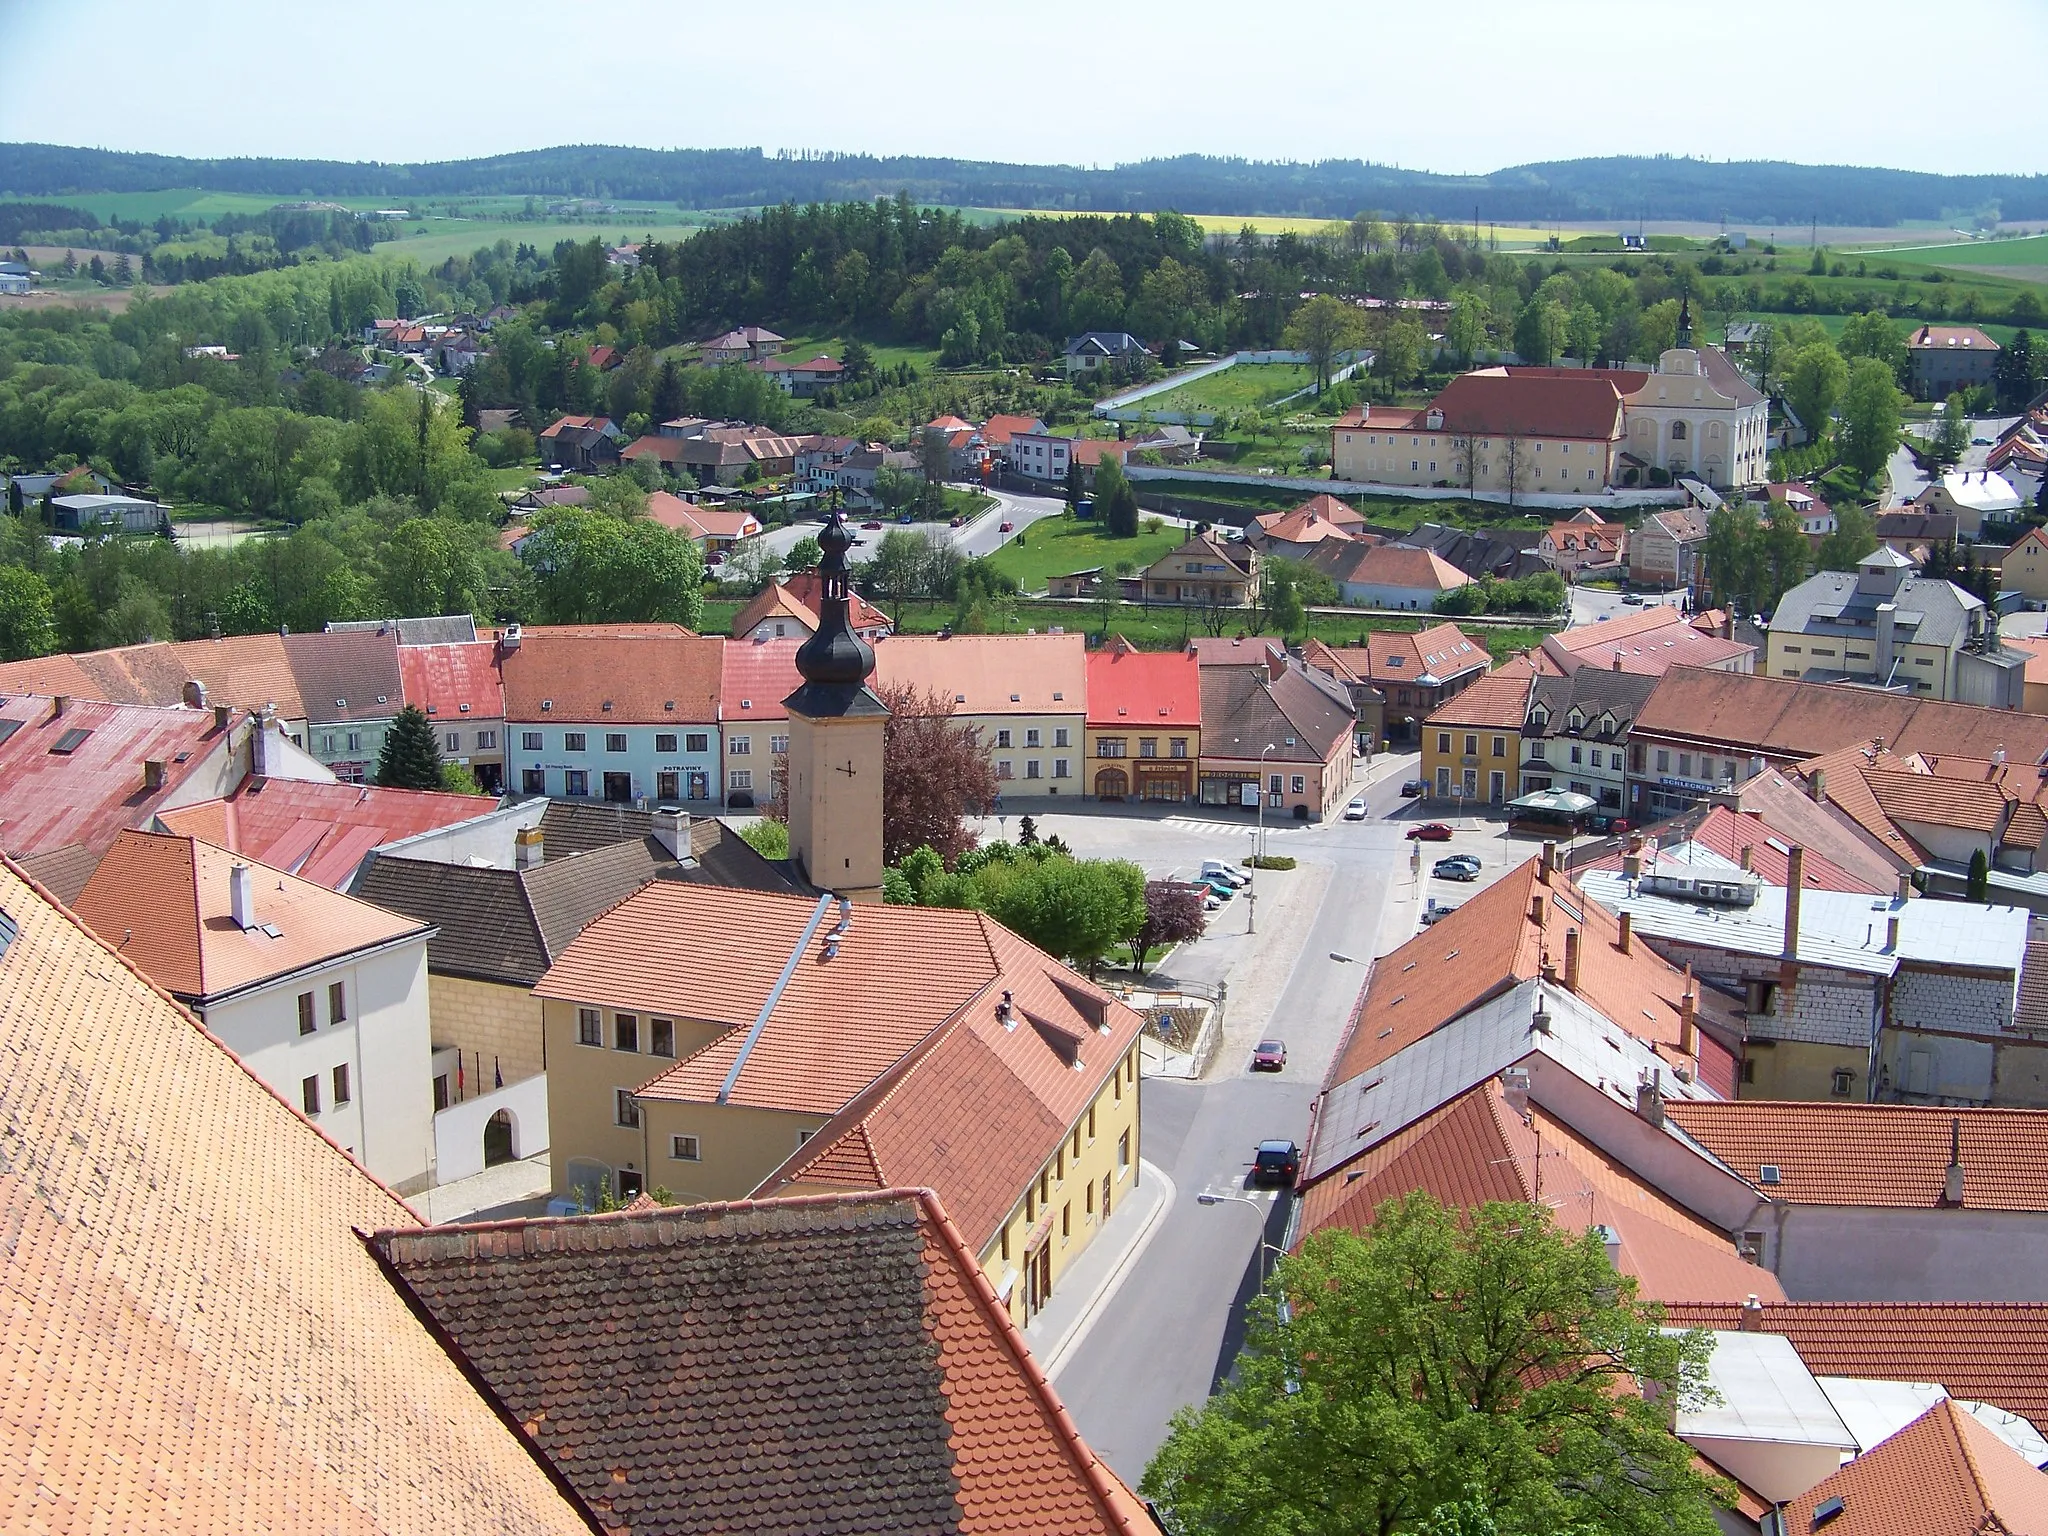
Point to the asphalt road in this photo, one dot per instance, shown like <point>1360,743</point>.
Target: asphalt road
<point>1592,604</point>
<point>981,535</point>
<point>1168,1334</point>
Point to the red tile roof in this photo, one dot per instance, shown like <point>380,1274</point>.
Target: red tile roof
<point>1730,833</point>
<point>1499,701</point>
<point>1648,643</point>
<point>624,674</point>
<point>195,1336</point>
<point>998,430</point>
<point>1944,1474</point>
<point>1558,404</point>
<point>1878,1154</point>
<point>1950,338</point>
<point>318,831</point>
<point>1093,450</point>
<point>1982,1351</point>
<point>94,788</point>
<point>824,1363</point>
<point>1133,687</point>
<point>1396,565</point>
<point>453,681</point>
<point>757,675</point>
<point>799,595</point>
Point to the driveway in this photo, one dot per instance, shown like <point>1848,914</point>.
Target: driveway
<point>1590,605</point>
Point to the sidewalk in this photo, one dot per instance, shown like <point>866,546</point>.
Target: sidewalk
<point>1093,1278</point>
<point>485,1195</point>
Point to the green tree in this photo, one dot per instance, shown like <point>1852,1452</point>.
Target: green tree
<point>588,568</point>
<point>1854,536</point>
<point>1870,418</point>
<point>28,615</point>
<point>429,569</point>
<point>1322,328</point>
<point>1073,486</point>
<point>1952,436</point>
<point>804,554</point>
<point>1814,381</point>
<point>1444,1356</point>
<point>1280,592</point>
<point>1397,351</point>
<point>1466,330</point>
<point>456,779</point>
<point>1876,334</point>
<point>1977,883</point>
<point>1116,504</point>
<point>411,755</point>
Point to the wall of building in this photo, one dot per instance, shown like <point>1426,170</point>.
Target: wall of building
<point>1954,1001</point>
<point>1865,1253</point>
<point>1133,736</point>
<point>497,1027</point>
<point>1925,1067</point>
<point>387,1125</point>
<point>459,1129</point>
<point>737,1146</point>
<point>1795,1069</point>
<point>1045,760</point>
<point>2020,1074</point>
<point>695,759</point>
<point>583,1084</point>
<point>1450,753</point>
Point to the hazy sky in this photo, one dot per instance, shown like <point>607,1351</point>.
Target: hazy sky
<point>1466,86</point>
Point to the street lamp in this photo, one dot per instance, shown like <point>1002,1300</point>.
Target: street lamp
<point>1251,892</point>
<point>1207,1198</point>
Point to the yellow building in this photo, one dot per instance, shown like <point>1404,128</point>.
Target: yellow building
<point>1472,745</point>
<point>2024,568</point>
<point>1144,736</point>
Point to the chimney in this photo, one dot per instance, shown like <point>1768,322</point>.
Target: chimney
<point>259,741</point>
<point>1650,1100</point>
<point>1632,857</point>
<point>1276,665</point>
<point>1571,960</point>
<point>672,831</point>
<point>1540,1020</point>
<point>1536,909</point>
<point>1891,935</point>
<point>1952,1181</point>
<point>509,640</point>
<point>1817,786</point>
<point>221,715</point>
<point>1514,1085</point>
<point>1610,1239</point>
<point>1727,626</point>
<point>242,896</point>
<point>1749,858</point>
<point>1887,635</point>
<point>153,780</point>
<point>1905,887</point>
<point>1617,661</point>
<point>1543,869</point>
<point>1795,884</point>
<point>1752,1315</point>
<point>59,704</point>
<point>195,694</point>
<point>1628,924</point>
<point>527,849</point>
<point>1688,1025</point>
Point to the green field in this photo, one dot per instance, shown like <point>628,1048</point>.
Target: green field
<point>1243,387</point>
<point>1057,546</point>
<point>2027,251</point>
<point>433,240</point>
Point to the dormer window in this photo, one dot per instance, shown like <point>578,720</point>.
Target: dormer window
<point>1576,721</point>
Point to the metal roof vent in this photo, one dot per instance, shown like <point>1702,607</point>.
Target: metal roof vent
<point>1016,698</point>
<point>607,706</point>
<point>668,704</point>
<point>463,708</point>
<point>341,703</point>
<point>381,699</point>
<point>1827,1509</point>
<point>547,703</point>
<point>1769,1174</point>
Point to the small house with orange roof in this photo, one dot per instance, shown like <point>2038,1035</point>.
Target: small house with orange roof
<point>1473,744</point>
<point>1298,532</point>
<point>1420,670</point>
<point>999,432</point>
<point>755,676</point>
<point>581,442</point>
<point>457,687</point>
<point>320,995</point>
<point>716,530</point>
<point>789,607</point>
<point>1144,730</point>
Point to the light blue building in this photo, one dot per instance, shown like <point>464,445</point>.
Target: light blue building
<point>626,713</point>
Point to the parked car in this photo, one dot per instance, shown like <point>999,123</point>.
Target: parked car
<point>1269,1056</point>
<point>1455,869</point>
<point>1222,888</point>
<point>872,527</point>
<point>1436,911</point>
<point>1430,832</point>
<point>1414,789</point>
<point>1632,600</point>
<point>1355,811</point>
<point>1609,824</point>
<point>1276,1162</point>
<point>1230,872</point>
<point>716,557</point>
<point>956,522</point>
<point>906,519</point>
<point>1007,527</point>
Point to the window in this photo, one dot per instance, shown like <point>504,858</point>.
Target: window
<point>1471,746</point>
<point>1148,746</point>
<point>1123,1151</point>
<point>740,746</point>
<point>778,745</point>
<point>1031,738</point>
<point>661,1037</point>
<point>615,741</point>
<point>1002,738</point>
<point>575,782</point>
<point>741,778</point>
<point>1685,765</point>
<point>1066,1221</point>
<point>1059,768</point>
<point>1443,742</point>
<point>327,742</point>
<point>341,1084</point>
<point>1031,768</point>
<point>1091,1125</point>
<point>1273,783</point>
<point>486,741</point>
<point>589,1028</point>
<point>1749,1070</point>
<point>1059,737</point>
<point>355,741</point>
<point>309,1094</point>
<point>1059,1166</point>
<point>1536,750</point>
<point>625,1032</point>
<point>1500,746</point>
<point>625,1109</point>
<point>337,1003</point>
<point>1299,783</point>
<point>1576,757</point>
<point>1003,768</point>
<point>1109,746</point>
<point>575,741</point>
<point>1180,746</point>
<point>1841,1081</point>
<point>533,781</point>
<point>684,1149</point>
<point>529,741</point>
<point>305,1013</point>
<point>455,741</point>
<point>665,741</point>
<point>1663,761</point>
<point>1088,1200</point>
<point>1678,431</point>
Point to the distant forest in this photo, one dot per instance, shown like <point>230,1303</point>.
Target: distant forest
<point>1616,189</point>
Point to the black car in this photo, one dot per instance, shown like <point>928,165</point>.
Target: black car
<point>1276,1162</point>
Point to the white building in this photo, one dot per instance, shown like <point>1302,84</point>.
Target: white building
<point>320,995</point>
<point>1040,455</point>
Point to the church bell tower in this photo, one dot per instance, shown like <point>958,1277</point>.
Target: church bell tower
<point>835,743</point>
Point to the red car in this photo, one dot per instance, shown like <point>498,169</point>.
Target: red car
<point>1007,528</point>
<point>956,522</point>
<point>1270,1056</point>
<point>872,527</point>
<point>1431,832</point>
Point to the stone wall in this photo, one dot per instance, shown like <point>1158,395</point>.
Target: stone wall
<point>499,1024</point>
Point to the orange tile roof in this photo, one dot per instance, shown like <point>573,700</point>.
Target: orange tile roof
<point>838,1025</point>
<point>1441,650</point>
<point>1982,1351</point>
<point>1499,700</point>
<point>162,902</point>
<point>1300,526</point>
<point>247,671</point>
<point>649,674</point>
<point>977,1109</point>
<point>1729,833</point>
<point>318,831</point>
<point>1047,674</point>
<point>998,430</point>
<point>1397,565</point>
<point>798,596</point>
<point>1649,643</point>
<point>1831,1153</point>
<point>756,676</point>
<point>1492,943</point>
<point>1331,510</point>
<point>1840,775</point>
<point>453,680</point>
<point>1939,800</point>
<point>873,1347</point>
<point>1944,1474</point>
<point>1093,450</point>
<point>94,788</point>
<point>194,1335</point>
<point>1126,686</point>
<point>1474,1149</point>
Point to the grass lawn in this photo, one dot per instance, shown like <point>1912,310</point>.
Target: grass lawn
<point>1246,386</point>
<point>886,354</point>
<point>1067,543</point>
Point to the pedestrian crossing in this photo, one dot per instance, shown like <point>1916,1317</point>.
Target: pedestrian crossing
<point>1224,828</point>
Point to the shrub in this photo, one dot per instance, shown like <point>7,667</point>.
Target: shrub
<point>1270,861</point>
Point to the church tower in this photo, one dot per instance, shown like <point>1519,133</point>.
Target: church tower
<point>835,744</point>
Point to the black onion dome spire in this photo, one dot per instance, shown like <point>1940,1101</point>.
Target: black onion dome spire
<point>835,657</point>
